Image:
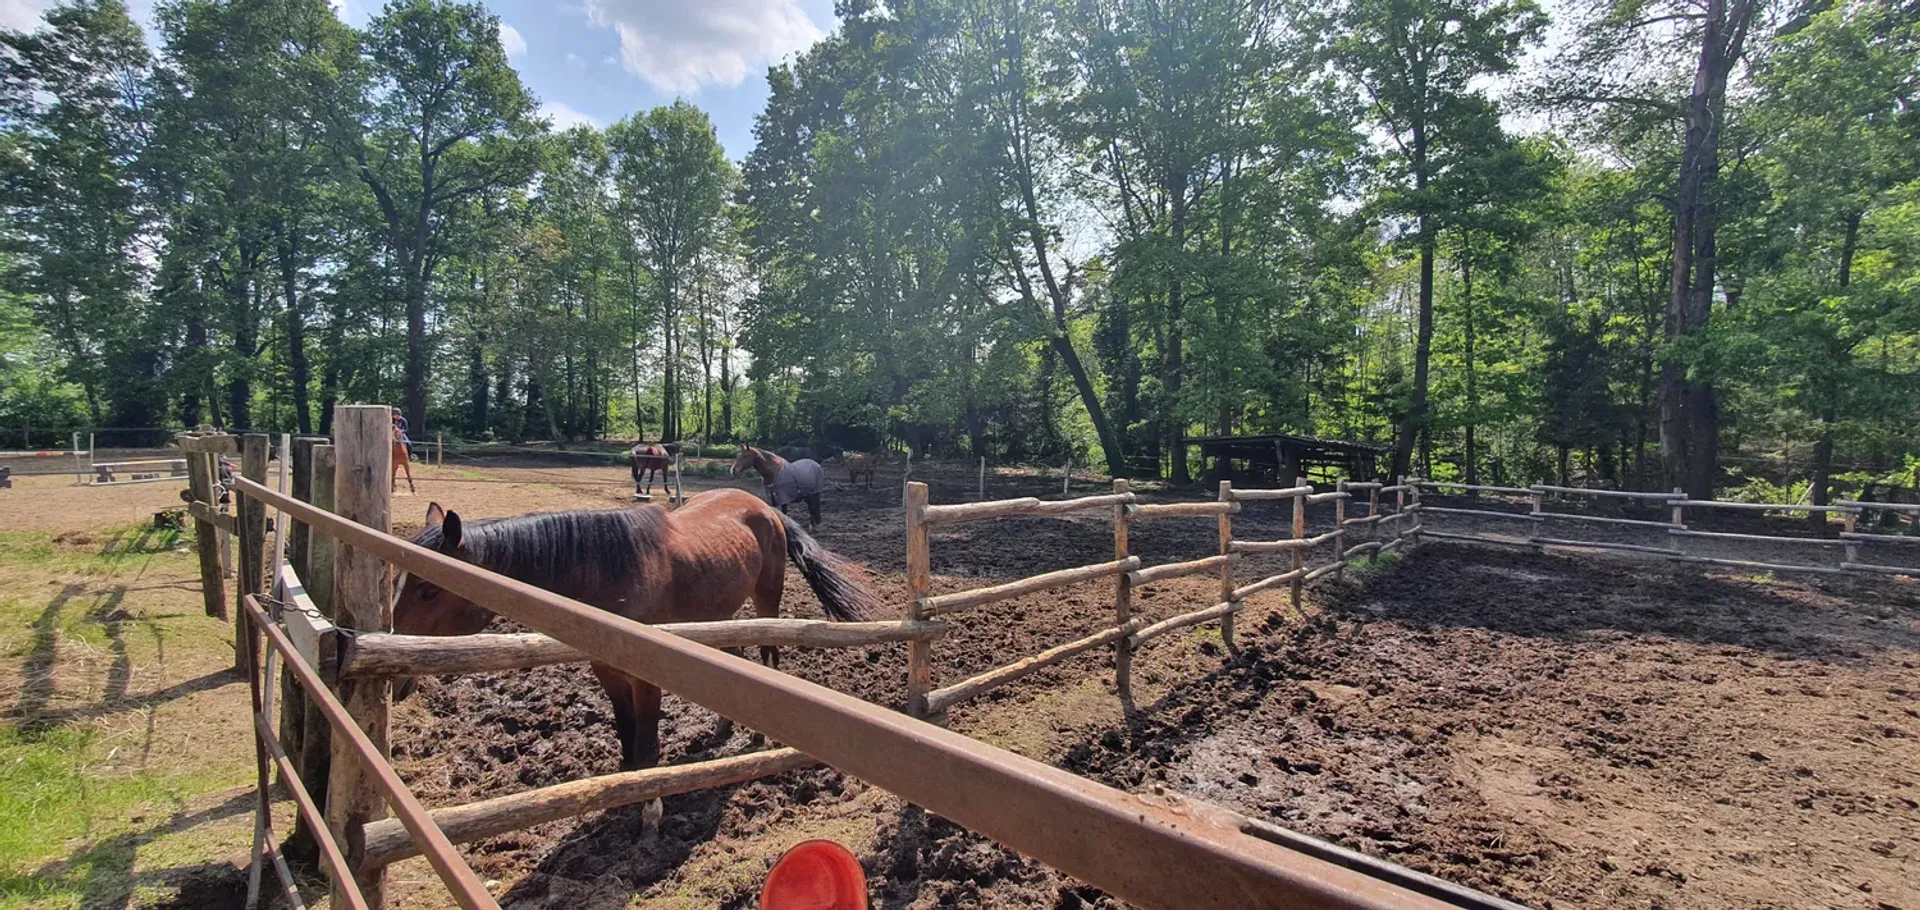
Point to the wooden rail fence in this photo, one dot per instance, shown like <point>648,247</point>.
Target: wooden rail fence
<point>1849,540</point>
<point>339,655</point>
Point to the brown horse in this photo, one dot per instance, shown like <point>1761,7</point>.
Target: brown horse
<point>696,563</point>
<point>866,464</point>
<point>788,482</point>
<point>402,461</point>
<point>649,461</point>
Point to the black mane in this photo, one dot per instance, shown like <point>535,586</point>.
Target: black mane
<point>578,550</point>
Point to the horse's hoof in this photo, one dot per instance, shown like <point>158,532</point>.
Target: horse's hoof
<point>650,818</point>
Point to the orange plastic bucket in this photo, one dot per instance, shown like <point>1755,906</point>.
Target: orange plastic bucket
<point>815,875</point>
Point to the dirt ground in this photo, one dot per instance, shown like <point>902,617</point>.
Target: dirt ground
<point>1562,731</point>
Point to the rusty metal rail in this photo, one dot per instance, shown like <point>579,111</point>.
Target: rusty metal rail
<point>1139,849</point>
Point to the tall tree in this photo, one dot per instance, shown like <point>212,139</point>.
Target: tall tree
<point>1422,65</point>
<point>445,120</point>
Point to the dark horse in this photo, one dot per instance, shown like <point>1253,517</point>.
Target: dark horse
<point>696,563</point>
<point>649,461</point>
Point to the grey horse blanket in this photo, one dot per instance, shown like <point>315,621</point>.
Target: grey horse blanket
<point>797,481</point>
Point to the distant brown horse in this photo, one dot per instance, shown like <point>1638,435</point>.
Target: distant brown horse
<point>649,461</point>
<point>788,482</point>
<point>859,465</point>
<point>402,461</point>
<point>696,563</point>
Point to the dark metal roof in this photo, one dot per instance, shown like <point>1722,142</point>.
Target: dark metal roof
<point>1266,442</point>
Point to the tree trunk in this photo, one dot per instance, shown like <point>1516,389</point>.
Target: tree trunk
<point>416,388</point>
<point>1415,419</point>
<point>1473,389</point>
<point>1174,365</point>
<point>477,386</point>
<point>300,370</point>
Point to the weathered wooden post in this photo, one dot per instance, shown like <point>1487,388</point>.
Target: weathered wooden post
<point>362,601</point>
<point>1533,527</point>
<point>200,474</point>
<point>1299,561</point>
<point>1122,596</point>
<point>1679,512</point>
<point>1340,530</point>
<point>315,756</point>
<point>919,582</point>
<point>1413,503</point>
<point>983,479</point>
<point>250,529</point>
<point>1226,568</point>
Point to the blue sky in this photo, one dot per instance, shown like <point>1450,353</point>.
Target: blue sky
<point>600,60</point>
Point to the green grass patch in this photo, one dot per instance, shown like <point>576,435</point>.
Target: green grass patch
<point>104,552</point>
<point>69,830</point>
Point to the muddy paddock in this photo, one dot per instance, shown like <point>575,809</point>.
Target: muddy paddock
<point>1561,731</point>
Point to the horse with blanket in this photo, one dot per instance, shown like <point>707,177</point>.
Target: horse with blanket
<point>788,482</point>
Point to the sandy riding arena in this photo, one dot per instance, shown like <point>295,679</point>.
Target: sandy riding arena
<point>1560,731</point>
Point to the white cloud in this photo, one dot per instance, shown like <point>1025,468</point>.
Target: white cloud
<point>22,15</point>
<point>679,46</point>
<point>564,117</point>
<point>510,40</point>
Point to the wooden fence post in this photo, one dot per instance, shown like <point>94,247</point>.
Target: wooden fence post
<point>250,532</point>
<point>200,486</point>
<point>1299,561</point>
<point>1413,496</point>
<point>315,756</point>
<point>1122,598</point>
<point>1340,531</point>
<point>919,582</point>
<point>1226,569</point>
<point>1533,527</point>
<point>362,601</point>
<point>1850,522</point>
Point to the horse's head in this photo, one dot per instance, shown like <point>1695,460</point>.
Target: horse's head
<point>421,607</point>
<point>747,460</point>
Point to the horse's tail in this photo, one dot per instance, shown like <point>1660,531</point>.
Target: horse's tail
<point>830,576</point>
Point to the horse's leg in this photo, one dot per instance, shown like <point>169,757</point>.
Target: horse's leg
<point>813,511</point>
<point>767,590</point>
<point>406,461</point>
<point>619,688</point>
<point>646,724</point>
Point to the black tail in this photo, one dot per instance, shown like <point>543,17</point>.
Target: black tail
<point>830,577</point>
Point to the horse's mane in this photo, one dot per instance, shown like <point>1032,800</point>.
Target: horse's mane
<point>562,551</point>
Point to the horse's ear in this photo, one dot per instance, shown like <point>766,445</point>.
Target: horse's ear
<point>450,541</point>
<point>435,514</point>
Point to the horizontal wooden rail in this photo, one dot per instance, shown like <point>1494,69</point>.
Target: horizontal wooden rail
<point>1364,485</point>
<point>1328,497</point>
<point>1182,510</point>
<point>1616,494</point>
<point>1392,545</point>
<point>206,513</point>
<point>1757,506</point>
<point>1911,507</point>
<point>1752,564</point>
<point>1604,520</point>
<point>1165,571</point>
<point>962,600</point>
<point>374,655</point>
<point>941,699</point>
<point>1484,513</point>
<point>1026,505</point>
<point>1757,538</point>
<point>1397,488</point>
<point>1269,495</point>
<point>1271,581</point>
<point>1475,488</point>
<point>1362,520</point>
<point>1605,545</point>
<point>1282,546</point>
<point>387,842</point>
<point>1147,852</point>
<point>466,887</point>
<point>1472,538</point>
<point>1398,516</point>
<point>1878,538</point>
<point>1182,621</point>
<point>1880,569</point>
<point>1323,571</point>
<point>211,445</point>
<point>1359,550</point>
